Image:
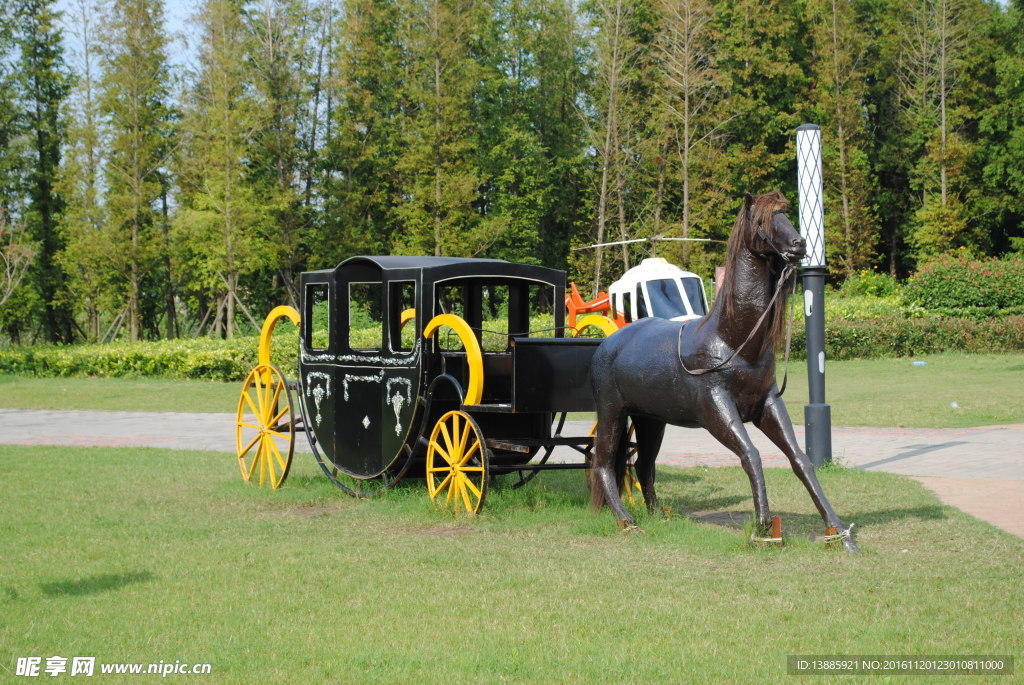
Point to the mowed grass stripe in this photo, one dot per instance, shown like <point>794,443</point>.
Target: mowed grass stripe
<point>142,555</point>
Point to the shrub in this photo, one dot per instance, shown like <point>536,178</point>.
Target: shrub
<point>895,336</point>
<point>231,360</point>
<point>950,285</point>
<point>199,358</point>
<point>869,284</point>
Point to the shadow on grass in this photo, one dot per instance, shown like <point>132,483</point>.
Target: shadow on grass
<point>801,524</point>
<point>932,512</point>
<point>95,584</point>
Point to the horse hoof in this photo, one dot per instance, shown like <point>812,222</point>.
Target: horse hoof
<point>851,546</point>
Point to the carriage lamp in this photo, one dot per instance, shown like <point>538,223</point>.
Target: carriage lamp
<point>817,414</point>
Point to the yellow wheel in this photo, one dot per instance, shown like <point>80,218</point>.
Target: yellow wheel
<point>265,427</point>
<point>457,464</point>
<point>630,483</point>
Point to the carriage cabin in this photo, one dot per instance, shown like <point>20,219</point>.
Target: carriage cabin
<point>370,379</point>
<point>657,288</point>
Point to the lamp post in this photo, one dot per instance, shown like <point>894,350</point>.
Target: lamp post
<point>817,414</point>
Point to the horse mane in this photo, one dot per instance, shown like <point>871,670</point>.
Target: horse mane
<point>756,211</point>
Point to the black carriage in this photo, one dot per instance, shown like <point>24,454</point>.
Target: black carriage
<point>451,369</point>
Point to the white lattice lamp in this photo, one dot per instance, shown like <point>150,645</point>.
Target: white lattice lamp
<point>817,414</point>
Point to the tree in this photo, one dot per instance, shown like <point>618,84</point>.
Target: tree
<point>1002,125</point>
<point>134,98</point>
<point>16,255</point>
<point>86,256</point>
<point>558,83</point>
<point>221,217</point>
<point>840,89</point>
<point>438,170</point>
<point>933,42</point>
<point>614,54</point>
<point>371,110</point>
<point>44,83</point>
<point>761,53</point>
<point>278,58</point>
<point>525,109</point>
<point>690,94</point>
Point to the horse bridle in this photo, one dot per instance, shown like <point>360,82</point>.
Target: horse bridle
<point>761,234</point>
<point>787,271</point>
<point>783,277</point>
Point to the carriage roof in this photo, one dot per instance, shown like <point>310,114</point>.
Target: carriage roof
<point>442,268</point>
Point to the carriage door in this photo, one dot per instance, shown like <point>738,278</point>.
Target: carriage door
<point>378,374</point>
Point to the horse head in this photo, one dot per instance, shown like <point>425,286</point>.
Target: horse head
<point>769,231</point>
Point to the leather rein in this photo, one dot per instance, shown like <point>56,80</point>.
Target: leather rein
<point>787,271</point>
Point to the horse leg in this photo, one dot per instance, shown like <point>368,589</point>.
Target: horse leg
<point>721,418</point>
<point>649,435</point>
<point>604,489</point>
<point>777,427</point>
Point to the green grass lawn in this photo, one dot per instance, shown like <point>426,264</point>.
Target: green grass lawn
<point>117,394</point>
<point>143,555</point>
<point>988,389</point>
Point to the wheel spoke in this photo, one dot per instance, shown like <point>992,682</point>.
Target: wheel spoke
<point>277,454</point>
<point>465,494</point>
<point>273,403</point>
<point>448,443</point>
<point>248,447</point>
<point>273,422</point>
<point>451,489</point>
<point>472,487</point>
<point>257,386</point>
<point>263,461</point>
<point>444,481</point>
<point>255,460</point>
<point>278,435</point>
<point>470,453</point>
<point>267,389</point>
<point>248,400</point>
<point>437,448</point>
<point>271,466</point>
<point>462,442</point>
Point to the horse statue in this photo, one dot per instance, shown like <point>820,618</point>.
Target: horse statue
<point>717,372</point>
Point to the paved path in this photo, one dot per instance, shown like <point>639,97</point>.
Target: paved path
<point>979,470</point>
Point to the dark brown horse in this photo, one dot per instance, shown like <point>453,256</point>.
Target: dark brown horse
<point>717,373</point>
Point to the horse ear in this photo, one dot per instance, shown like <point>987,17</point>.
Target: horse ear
<point>748,200</point>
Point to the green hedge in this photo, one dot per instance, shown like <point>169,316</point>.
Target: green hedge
<point>231,360</point>
<point>895,336</point>
<point>950,285</point>
<point>199,358</point>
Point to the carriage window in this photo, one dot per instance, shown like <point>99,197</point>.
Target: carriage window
<point>542,311</point>
<point>494,325</point>
<point>641,303</point>
<point>365,317</point>
<point>402,298</point>
<point>450,300</point>
<point>627,307</point>
<point>318,317</point>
